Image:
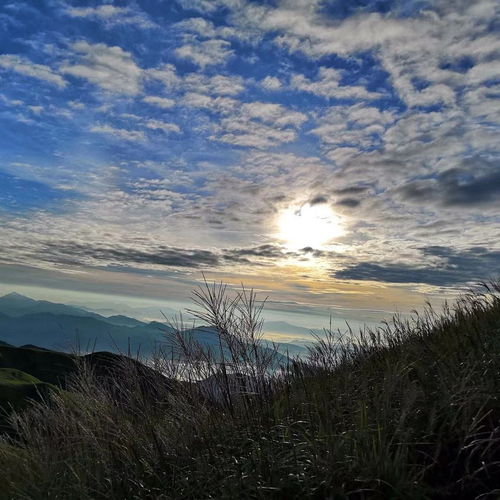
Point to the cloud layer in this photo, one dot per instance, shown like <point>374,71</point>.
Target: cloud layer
<point>170,139</point>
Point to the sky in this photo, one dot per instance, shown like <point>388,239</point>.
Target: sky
<point>340,157</point>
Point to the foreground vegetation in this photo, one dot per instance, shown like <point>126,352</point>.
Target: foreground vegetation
<point>410,410</point>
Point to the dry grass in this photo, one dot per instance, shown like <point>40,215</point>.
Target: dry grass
<point>410,410</point>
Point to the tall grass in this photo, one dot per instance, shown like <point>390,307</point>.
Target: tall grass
<point>409,410</point>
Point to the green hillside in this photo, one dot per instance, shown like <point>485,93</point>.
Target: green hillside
<point>48,366</point>
<point>17,387</point>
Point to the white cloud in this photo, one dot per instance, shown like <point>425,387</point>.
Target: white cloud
<point>328,85</point>
<point>259,125</point>
<point>215,85</point>
<point>207,53</point>
<point>483,104</point>
<point>352,127</point>
<point>484,72</point>
<point>26,67</point>
<point>160,125</point>
<point>127,135</point>
<point>112,15</point>
<point>271,83</point>
<point>205,29</point>
<point>341,155</point>
<point>252,134</point>
<point>37,110</point>
<point>203,6</point>
<point>166,74</point>
<point>161,102</point>
<point>222,105</point>
<point>409,48</point>
<point>275,114</point>
<point>198,83</point>
<point>103,11</point>
<point>111,68</point>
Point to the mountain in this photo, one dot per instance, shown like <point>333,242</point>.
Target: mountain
<point>84,334</point>
<point>24,321</point>
<point>145,314</point>
<point>120,320</point>
<point>285,327</point>
<point>15,304</point>
<point>78,333</point>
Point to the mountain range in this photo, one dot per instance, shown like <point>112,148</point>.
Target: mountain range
<point>73,329</point>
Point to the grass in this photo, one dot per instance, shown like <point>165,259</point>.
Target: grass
<point>410,410</point>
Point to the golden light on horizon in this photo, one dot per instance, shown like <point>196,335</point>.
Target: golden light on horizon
<point>309,226</point>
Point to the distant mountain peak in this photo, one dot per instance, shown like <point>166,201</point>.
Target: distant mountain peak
<point>17,296</point>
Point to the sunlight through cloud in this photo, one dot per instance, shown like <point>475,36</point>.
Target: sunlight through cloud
<point>309,226</point>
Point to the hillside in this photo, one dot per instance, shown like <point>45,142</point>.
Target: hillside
<point>411,411</point>
<point>17,389</point>
<point>48,366</point>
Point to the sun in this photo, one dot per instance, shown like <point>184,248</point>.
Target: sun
<point>309,226</point>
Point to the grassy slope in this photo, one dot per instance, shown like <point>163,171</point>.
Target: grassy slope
<point>411,411</point>
<point>16,387</point>
<point>49,366</point>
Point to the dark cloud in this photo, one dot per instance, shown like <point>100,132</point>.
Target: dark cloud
<point>352,190</point>
<point>266,251</point>
<point>73,253</point>
<point>162,255</point>
<point>314,252</point>
<point>318,200</point>
<point>474,183</point>
<point>348,202</point>
<point>456,267</point>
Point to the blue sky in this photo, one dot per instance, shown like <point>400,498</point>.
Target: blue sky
<point>147,142</point>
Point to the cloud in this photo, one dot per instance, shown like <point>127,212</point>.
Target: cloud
<point>411,49</point>
<point>454,267</point>
<point>204,28</point>
<point>345,131</point>
<point>159,256</point>
<point>253,124</point>
<point>166,74</point>
<point>164,126</point>
<point>112,15</point>
<point>203,6</point>
<point>483,72</point>
<point>348,202</point>
<point>161,102</point>
<point>412,162</point>
<point>260,125</point>
<point>222,105</point>
<point>273,113</point>
<point>216,85</point>
<point>111,68</point>
<point>26,67</point>
<point>476,182</point>
<point>328,85</point>
<point>318,200</point>
<point>80,253</point>
<point>126,135</point>
<point>208,53</point>
<point>197,83</point>
<point>271,83</point>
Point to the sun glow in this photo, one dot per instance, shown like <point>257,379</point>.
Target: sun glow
<point>309,226</point>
